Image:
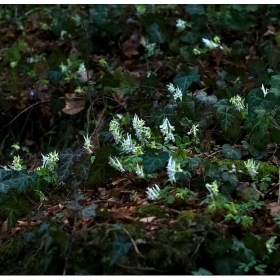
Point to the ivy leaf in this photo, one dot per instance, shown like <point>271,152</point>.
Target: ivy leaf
<point>155,34</point>
<point>89,211</point>
<point>187,106</point>
<point>211,168</point>
<point>55,75</point>
<point>229,118</point>
<point>100,169</point>
<point>29,236</point>
<point>183,81</point>
<point>195,9</point>
<point>256,100</point>
<point>152,162</point>
<point>82,167</point>
<point>66,160</point>
<point>161,114</point>
<point>99,14</point>
<point>275,82</point>
<point>16,179</point>
<point>120,248</point>
<point>206,99</point>
<point>43,228</point>
<point>230,152</point>
<point>227,265</point>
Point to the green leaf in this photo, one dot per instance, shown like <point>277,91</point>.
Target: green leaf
<point>211,168</point>
<point>202,271</point>
<point>155,34</point>
<point>29,236</point>
<point>54,76</point>
<point>160,114</point>
<point>206,99</point>
<point>100,169</point>
<point>152,162</point>
<point>275,82</point>
<point>66,160</point>
<point>89,211</point>
<point>99,14</point>
<point>183,81</point>
<point>82,167</point>
<point>256,100</point>
<point>120,248</point>
<point>227,265</point>
<point>43,228</point>
<point>16,179</point>
<point>229,118</point>
<point>195,9</point>
<point>230,152</point>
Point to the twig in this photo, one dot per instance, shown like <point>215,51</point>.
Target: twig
<point>25,111</point>
<point>134,244</point>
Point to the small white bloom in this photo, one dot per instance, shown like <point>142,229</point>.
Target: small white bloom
<point>178,94</point>
<point>213,189</point>
<point>139,171</point>
<point>17,164</point>
<point>153,193</point>
<point>171,170</point>
<point>115,129</point>
<point>181,24</point>
<point>142,131</point>
<point>252,167</point>
<point>82,69</point>
<point>270,244</point>
<point>210,44</point>
<point>166,129</point>
<point>87,144</point>
<point>114,162</point>
<point>194,130</point>
<point>63,68</point>
<point>171,88</point>
<point>264,90</point>
<point>50,160</point>
<point>238,102</point>
<point>128,145</point>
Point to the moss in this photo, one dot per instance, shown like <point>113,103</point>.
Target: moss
<point>265,168</point>
<point>149,210</point>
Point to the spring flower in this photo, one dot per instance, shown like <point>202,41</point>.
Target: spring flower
<point>114,162</point>
<point>210,44</point>
<point>264,90</point>
<point>270,244</point>
<point>87,144</point>
<point>177,93</point>
<point>142,132</point>
<point>17,164</point>
<point>139,171</point>
<point>115,129</point>
<point>238,102</point>
<point>194,130</point>
<point>171,170</point>
<point>181,24</point>
<point>128,145</point>
<point>153,193</point>
<point>213,189</point>
<point>50,160</point>
<point>252,167</point>
<point>166,129</point>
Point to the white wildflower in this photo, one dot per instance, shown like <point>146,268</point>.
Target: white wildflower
<point>139,171</point>
<point>270,244</point>
<point>213,189</point>
<point>114,162</point>
<point>166,129</point>
<point>264,90</point>
<point>177,93</point>
<point>252,167</point>
<point>171,170</point>
<point>171,88</point>
<point>153,193</point>
<point>82,69</point>
<point>115,129</point>
<point>238,102</point>
<point>194,130</point>
<point>210,44</point>
<point>17,164</point>
<point>128,145</point>
<point>87,144</point>
<point>50,160</point>
<point>142,132</point>
<point>181,24</point>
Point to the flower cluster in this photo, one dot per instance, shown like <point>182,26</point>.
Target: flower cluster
<point>166,129</point>
<point>213,189</point>
<point>212,44</point>
<point>114,162</point>
<point>150,48</point>
<point>115,129</point>
<point>142,132</point>
<point>252,167</point>
<point>17,164</point>
<point>238,102</point>
<point>177,93</point>
<point>181,24</point>
<point>50,160</point>
<point>172,168</point>
<point>153,193</point>
<point>87,144</point>
<point>194,130</point>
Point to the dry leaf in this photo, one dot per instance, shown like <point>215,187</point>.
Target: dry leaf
<point>274,208</point>
<point>74,104</point>
<point>130,46</point>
